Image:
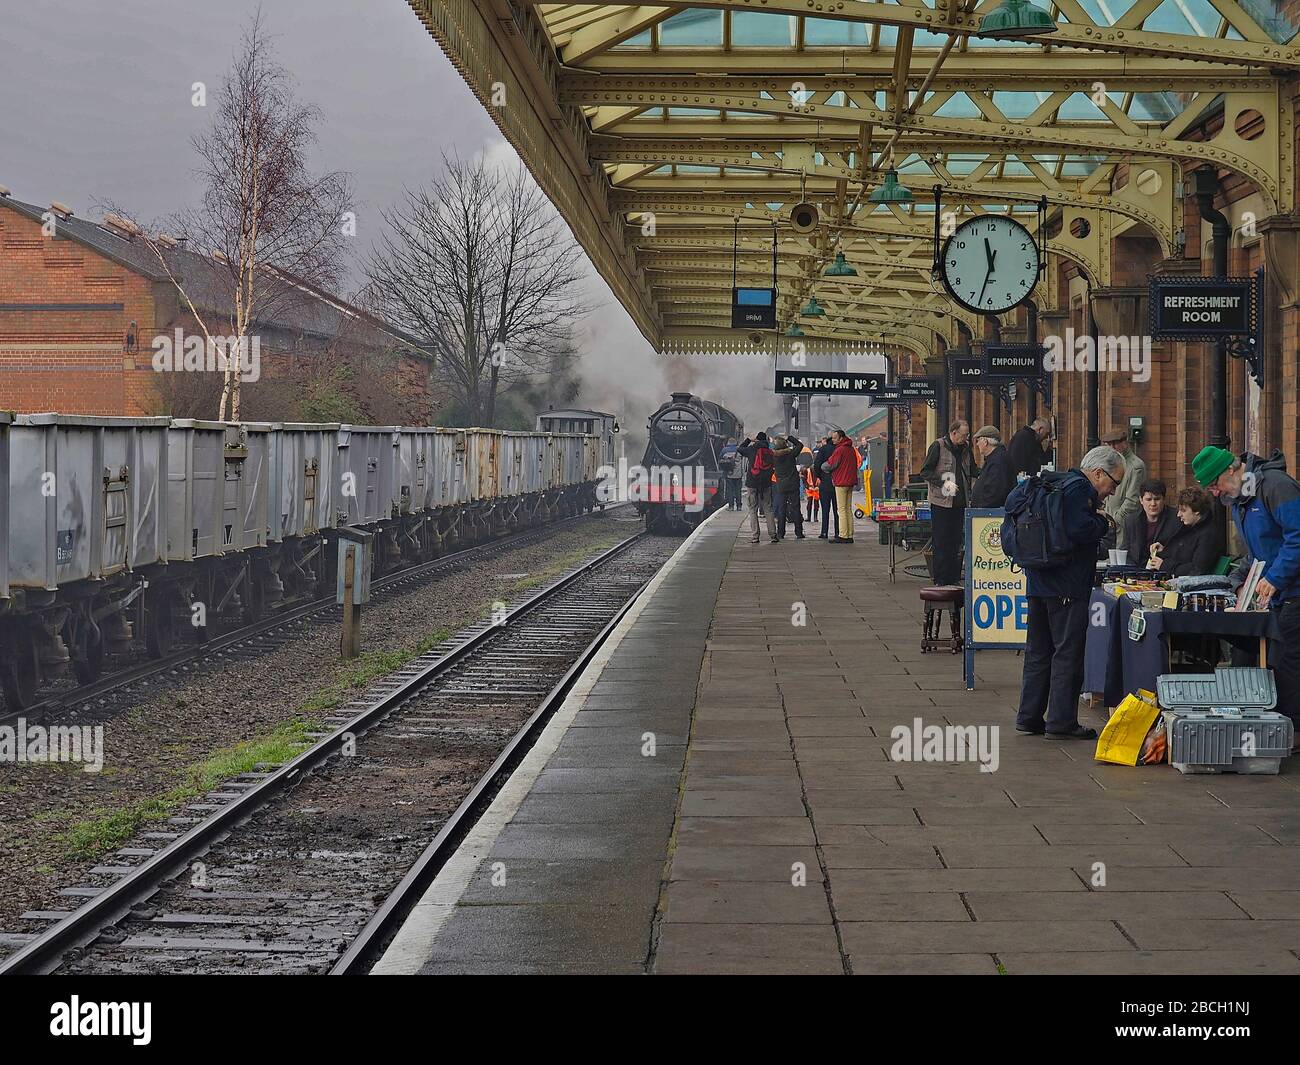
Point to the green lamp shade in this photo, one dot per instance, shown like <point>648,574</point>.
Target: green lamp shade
<point>813,309</point>
<point>1016,18</point>
<point>891,191</point>
<point>839,268</point>
<point>794,330</point>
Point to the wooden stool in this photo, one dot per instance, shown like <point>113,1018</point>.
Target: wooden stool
<point>936,599</point>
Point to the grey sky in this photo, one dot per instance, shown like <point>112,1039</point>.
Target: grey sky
<point>97,109</point>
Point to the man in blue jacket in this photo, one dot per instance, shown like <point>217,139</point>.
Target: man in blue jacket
<point>1058,601</point>
<point>1264,501</point>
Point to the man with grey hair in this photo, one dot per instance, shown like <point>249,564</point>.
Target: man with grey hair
<point>1127,499</point>
<point>1058,596</point>
<point>996,478</point>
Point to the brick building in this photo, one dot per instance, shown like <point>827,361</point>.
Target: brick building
<point>82,301</point>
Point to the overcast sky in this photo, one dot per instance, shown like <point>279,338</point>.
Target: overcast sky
<point>97,109</point>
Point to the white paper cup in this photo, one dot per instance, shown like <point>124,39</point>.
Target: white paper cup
<point>1119,557</point>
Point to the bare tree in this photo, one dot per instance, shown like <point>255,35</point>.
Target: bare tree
<point>480,266</point>
<point>265,219</point>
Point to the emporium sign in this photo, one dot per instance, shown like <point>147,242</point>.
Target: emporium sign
<point>1202,308</point>
<point>1013,362</point>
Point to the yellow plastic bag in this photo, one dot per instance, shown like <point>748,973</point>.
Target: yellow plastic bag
<point>1120,742</point>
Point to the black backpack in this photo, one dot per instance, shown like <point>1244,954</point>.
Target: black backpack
<point>1033,531</point>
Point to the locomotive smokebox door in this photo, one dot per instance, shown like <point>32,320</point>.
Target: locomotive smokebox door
<point>357,545</point>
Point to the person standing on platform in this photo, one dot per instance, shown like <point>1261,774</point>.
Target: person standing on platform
<point>732,466</point>
<point>758,482</point>
<point>1025,451</point>
<point>1196,545</point>
<point>1127,499</point>
<point>812,485</point>
<point>1058,600</point>
<point>996,478</point>
<point>949,470</point>
<point>826,489</point>
<point>1264,501</point>
<point>1152,523</point>
<point>785,497</point>
<point>843,468</point>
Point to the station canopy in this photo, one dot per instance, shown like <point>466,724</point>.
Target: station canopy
<point>689,130</point>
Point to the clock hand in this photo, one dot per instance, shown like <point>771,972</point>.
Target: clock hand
<point>989,253</point>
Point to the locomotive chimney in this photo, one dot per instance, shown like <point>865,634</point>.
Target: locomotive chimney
<point>681,397</point>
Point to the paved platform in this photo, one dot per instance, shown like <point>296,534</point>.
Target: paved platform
<point>775,829</point>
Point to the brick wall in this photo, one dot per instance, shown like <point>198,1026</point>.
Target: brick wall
<point>67,352</point>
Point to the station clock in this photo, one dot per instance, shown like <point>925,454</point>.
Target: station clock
<point>989,264</point>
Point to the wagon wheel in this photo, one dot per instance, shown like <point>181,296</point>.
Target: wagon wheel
<point>159,625</point>
<point>20,675</point>
<point>255,598</point>
<point>87,654</point>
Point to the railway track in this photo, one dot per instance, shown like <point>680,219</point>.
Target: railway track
<point>127,686</point>
<point>308,867</point>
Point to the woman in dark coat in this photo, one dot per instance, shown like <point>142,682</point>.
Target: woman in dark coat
<point>1197,544</point>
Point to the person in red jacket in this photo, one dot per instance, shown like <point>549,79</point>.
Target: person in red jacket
<point>843,468</point>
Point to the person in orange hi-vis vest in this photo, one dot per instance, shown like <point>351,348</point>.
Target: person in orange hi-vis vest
<point>812,488</point>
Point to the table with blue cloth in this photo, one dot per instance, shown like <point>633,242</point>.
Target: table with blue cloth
<point>1114,665</point>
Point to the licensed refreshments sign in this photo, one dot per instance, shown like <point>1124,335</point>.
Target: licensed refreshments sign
<point>997,606</point>
<point>1013,362</point>
<point>1202,308</point>
<point>830,383</point>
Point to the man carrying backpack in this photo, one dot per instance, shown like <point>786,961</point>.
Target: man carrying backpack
<point>758,480</point>
<point>1053,525</point>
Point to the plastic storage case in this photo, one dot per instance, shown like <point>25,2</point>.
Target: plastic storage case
<point>1223,722</point>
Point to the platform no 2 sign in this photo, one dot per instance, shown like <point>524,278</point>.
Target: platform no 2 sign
<point>997,610</point>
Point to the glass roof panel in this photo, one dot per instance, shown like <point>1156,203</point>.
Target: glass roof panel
<point>825,31</point>
<point>1269,14</point>
<point>760,28</point>
<point>641,40</point>
<point>695,29</point>
<point>1105,12</point>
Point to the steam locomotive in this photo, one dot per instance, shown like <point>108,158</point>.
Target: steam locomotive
<point>684,481</point>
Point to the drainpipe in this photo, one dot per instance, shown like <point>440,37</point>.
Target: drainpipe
<point>1091,384</point>
<point>996,326</point>
<point>1207,185</point>
<point>1031,334</point>
<point>964,330</point>
<point>889,431</point>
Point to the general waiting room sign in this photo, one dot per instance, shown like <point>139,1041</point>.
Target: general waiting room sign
<point>1202,308</point>
<point>997,603</point>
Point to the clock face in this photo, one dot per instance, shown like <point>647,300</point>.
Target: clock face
<point>990,264</point>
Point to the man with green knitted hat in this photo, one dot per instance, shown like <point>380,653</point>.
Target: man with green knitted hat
<point>1264,501</point>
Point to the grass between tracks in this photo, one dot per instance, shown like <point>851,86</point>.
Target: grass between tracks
<point>94,836</point>
<point>110,829</point>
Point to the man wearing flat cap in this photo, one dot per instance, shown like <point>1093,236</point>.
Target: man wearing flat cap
<point>996,478</point>
<point>1128,496</point>
<point>1264,501</point>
